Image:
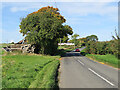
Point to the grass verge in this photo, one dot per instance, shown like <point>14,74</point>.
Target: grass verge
<point>46,77</point>
<point>107,59</point>
<point>21,71</point>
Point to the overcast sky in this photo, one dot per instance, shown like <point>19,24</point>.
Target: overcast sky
<point>86,17</point>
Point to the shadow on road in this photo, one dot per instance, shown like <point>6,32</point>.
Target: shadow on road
<point>72,54</point>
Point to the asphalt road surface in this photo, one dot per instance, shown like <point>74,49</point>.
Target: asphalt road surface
<point>78,71</point>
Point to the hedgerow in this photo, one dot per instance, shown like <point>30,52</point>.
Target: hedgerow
<point>103,48</point>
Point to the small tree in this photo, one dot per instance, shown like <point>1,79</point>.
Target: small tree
<point>115,45</point>
<point>64,39</point>
<point>74,39</point>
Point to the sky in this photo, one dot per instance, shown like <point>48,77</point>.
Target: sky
<point>86,17</point>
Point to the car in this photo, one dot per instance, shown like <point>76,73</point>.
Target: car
<point>77,50</point>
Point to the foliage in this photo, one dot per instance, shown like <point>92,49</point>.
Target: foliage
<point>83,52</point>
<point>117,36</point>
<point>116,45</point>
<point>64,39</point>
<point>102,48</point>
<point>19,71</point>
<point>43,28</point>
<point>74,39</point>
<point>92,38</point>
<point>82,41</point>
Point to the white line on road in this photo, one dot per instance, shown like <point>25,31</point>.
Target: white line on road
<point>80,62</point>
<point>101,77</point>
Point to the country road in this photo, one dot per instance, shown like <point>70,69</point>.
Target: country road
<point>78,71</point>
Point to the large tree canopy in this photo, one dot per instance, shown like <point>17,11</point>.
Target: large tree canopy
<point>43,28</point>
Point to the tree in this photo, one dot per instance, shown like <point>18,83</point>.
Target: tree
<point>82,41</point>
<point>115,44</point>
<point>117,36</point>
<point>74,39</point>
<point>43,28</point>
<point>92,38</point>
<point>64,39</point>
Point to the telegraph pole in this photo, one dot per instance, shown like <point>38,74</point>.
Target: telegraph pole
<point>60,43</point>
<point>74,43</point>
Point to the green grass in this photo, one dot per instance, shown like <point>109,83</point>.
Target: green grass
<point>46,77</point>
<point>21,71</point>
<point>2,52</point>
<point>83,52</point>
<point>62,47</point>
<point>107,59</point>
<point>66,47</point>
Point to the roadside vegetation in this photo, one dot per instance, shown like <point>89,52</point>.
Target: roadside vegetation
<point>108,59</point>
<point>29,71</point>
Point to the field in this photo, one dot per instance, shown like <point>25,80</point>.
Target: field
<point>29,71</point>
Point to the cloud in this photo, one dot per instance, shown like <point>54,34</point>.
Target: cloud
<point>80,8</point>
<point>108,10</point>
<point>89,8</point>
<point>15,9</point>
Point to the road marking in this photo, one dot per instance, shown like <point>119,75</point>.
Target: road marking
<point>101,77</point>
<point>80,62</point>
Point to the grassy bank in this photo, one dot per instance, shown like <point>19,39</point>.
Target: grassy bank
<point>107,59</point>
<point>46,77</point>
<point>25,71</point>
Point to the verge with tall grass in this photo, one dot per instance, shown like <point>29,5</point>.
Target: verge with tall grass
<point>25,70</point>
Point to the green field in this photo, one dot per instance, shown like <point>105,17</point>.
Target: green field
<point>29,71</point>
